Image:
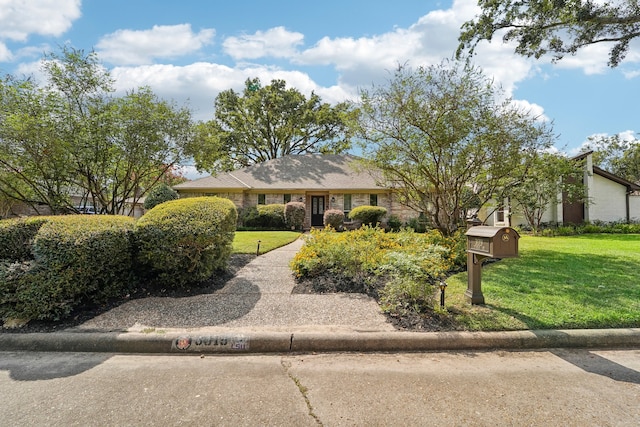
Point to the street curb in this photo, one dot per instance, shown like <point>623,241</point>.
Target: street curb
<point>306,342</point>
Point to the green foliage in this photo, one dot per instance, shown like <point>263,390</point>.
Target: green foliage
<point>264,217</point>
<point>417,224</point>
<point>73,135</point>
<point>548,178</point>
<point>77,259</point>
<point>595,227</point>
<point>541,27</point>
<point>159,194</point>
<point>394,223</point>
<point>433,131</point>
<point>181,242</point>
<point>405,265</point>
<point>294,213</point>
<point>267,122</point>
<point>17,235</point>
<point>368,215</point>
<point>616,155</point>
<point>333,218</point>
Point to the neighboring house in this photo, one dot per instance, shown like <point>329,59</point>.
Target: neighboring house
<point>610,198</point>
<point>321,182</point>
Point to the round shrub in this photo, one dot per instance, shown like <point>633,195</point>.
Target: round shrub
<point>77,259</point>
<point>333,218</point>
<point>368,215</point>
<point>294,213</point>
<point>16,237</point>
<point>182,242</point>
<point>159,194</point>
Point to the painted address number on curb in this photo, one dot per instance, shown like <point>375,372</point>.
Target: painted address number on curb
<point>202,343</point>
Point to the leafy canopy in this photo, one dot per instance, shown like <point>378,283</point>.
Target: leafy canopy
<point>267,122</point>
<point>440,138</point>
<point>72,137</point>
<point>558,27</point>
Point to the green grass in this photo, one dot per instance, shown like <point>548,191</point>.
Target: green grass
<point>587,281</point>
<point>246,242</point>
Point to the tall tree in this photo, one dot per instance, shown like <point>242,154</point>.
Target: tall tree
<point>267,122</point>
<point>72,137</point>
<point>558,27</point>
<point>436,132</point>
<point>33,158</point>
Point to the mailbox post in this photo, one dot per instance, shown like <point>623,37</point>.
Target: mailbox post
<point>486,242</point>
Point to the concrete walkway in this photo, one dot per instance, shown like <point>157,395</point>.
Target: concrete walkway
<point>256,312</point>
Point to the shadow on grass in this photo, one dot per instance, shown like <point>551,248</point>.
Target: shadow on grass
<point>550,289</point>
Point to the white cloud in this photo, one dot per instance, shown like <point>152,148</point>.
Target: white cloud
<point>598,140</point>
<point>276,42</point>
<point>134,47</point>
<point>5,53</point>
<point>198,84</point>
<point>19,18</point>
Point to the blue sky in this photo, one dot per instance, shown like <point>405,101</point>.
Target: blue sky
<point>189,51</point>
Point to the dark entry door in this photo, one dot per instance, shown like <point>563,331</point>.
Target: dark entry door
<point>317,211</point>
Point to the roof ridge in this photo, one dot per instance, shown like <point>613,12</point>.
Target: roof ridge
<point>239,180</point>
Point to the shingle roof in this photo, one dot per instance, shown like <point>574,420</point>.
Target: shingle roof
<point>295,172</point>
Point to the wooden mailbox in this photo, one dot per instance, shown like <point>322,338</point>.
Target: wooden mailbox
<point>486,242</point>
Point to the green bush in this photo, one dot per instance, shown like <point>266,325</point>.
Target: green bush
<point>16,237</point>
<point>159,194</point>
<point>405,265</point>
<point>269,217</point>
<point>394,223</point>
<point>368,215</point>
<point>333,218</point>
<point>294,214</point>
<point>182,242</point>
<point>77,259</point>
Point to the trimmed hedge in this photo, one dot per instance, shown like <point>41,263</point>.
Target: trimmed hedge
<point>294,213</point>
<point>77,259</point>
<point>182,242</point>
<point>333,218</point>
<point>16,237</point>
<point>368,215</point>
<point>265,217</point>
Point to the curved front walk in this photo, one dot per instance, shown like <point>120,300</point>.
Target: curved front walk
<point>256,312</point>
<point>258,297</point>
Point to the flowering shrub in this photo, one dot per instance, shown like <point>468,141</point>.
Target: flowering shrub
<point>333,218</point>
<point>405,266</point>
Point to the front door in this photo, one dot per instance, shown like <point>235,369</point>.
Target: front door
<point>317,211</point>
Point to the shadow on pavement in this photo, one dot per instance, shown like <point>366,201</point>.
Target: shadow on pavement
<point>596,364</point>
<point>34,366</point>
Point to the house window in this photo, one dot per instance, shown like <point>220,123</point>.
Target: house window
<point>347,204</point>
<point>262,199</point>
<point>373,199</point>
<point>287,198</point>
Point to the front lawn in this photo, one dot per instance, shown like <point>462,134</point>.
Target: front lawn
<point>587,281</point>
<point>246,242</point>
